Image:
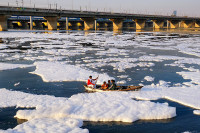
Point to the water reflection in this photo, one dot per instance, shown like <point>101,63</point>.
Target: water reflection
<point>92,123</point>
<point>7,119</point>
<point>117,32</point>
<point>1,41</point>
<point>20,121</point>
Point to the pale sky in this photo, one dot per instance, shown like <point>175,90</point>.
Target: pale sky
<point>157,7</point>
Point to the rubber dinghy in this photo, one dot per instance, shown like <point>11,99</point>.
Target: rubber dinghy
<point>119,88</point>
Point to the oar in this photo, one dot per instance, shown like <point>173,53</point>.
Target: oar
<point>96,79</point>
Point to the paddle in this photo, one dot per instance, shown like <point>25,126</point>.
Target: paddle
<point>96,79</point>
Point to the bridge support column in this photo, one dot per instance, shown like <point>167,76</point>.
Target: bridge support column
<point>3,23</point>
<point>173,24</point>
<point>67,23</point>
<point>10,25</point>
<point>95,24</point>
<point>31,23</point>
<point>197,24</point>
<point>158,24</point>
<point>117,24</point>
<point>188,24</point>
<point>140,23</point>
<point>89,23</point>
<point>52,22</point>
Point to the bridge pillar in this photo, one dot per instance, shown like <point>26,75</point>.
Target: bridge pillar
<point>158,24</point>
<point>95,24</point>
<point>197,24</point>
<point>167,24</point>
<point>10,25</point>
<point>3,23</point>
<point>173,24</point>
<point>89,23</point>
<point>188,24</point>
<point>140,23</point>
<point>31,23</point>
<point>52,22</point>
<point>117,24</point>
<point>67,23</point>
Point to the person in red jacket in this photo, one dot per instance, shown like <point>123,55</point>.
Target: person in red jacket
<point>92,82</point>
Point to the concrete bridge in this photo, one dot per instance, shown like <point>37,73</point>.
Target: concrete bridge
<point>39,23</point>
<point>89,18</point>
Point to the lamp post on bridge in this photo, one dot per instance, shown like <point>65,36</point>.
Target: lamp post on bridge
<point>17,3</point>
<point>89,6</point>
<point>30,3</point>
<point>72,5</point>
<point>22,3</point>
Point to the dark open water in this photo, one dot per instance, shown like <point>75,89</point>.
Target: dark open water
<point>29,83</point>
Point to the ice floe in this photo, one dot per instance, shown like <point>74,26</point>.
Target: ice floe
<point>86,106</point>
<point>69,112</point>
<point>149,78</point>
<point>194,76</point>
<point>6,66</point>
<point>188,96</point>
<point>196,112</point>
<point>41,125</point>
<point>58,71</point>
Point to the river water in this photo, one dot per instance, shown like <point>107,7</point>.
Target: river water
<point>128,57</point>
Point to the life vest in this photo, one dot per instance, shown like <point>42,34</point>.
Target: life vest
<point>104,86</point>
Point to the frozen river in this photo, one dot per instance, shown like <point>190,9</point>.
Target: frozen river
<point>42,77</point>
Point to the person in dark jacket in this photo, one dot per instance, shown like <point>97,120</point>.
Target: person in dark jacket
<point>113,85</point>
<point>108,84</point>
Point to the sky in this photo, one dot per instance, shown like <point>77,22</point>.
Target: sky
<point>156,7</point>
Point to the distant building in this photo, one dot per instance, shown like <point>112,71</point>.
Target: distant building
<point>174,13</point>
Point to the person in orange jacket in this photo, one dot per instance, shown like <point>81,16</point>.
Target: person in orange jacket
<point>104,85</point>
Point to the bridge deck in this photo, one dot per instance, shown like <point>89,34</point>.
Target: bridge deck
<point>4,10</point>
